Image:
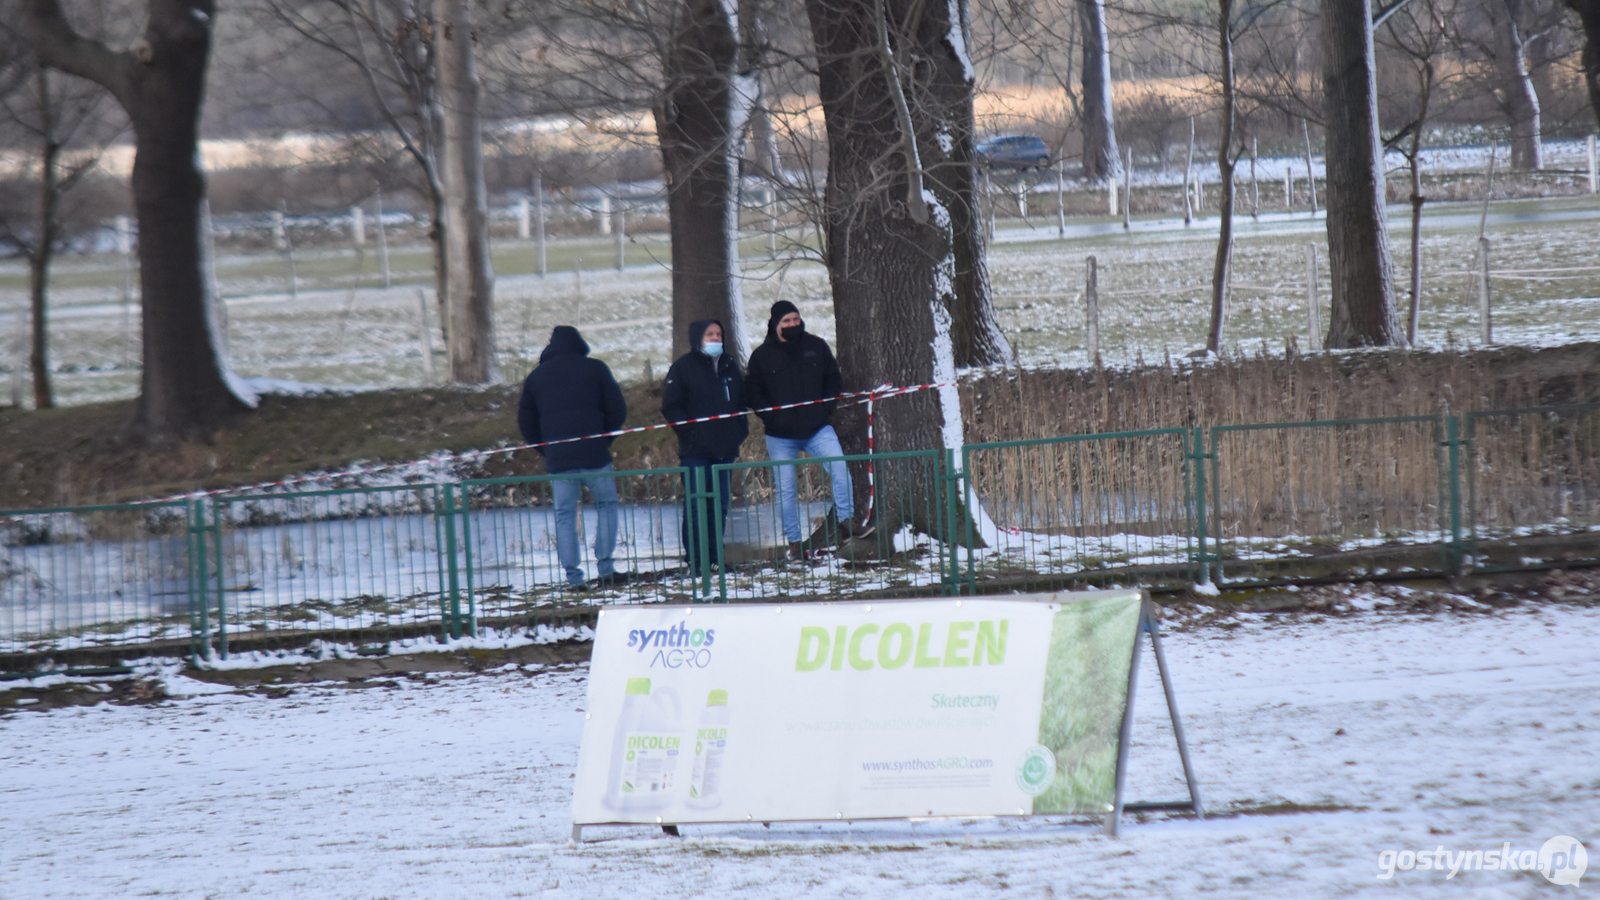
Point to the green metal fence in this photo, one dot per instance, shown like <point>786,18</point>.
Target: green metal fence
<point>910,555</point>
<point>99,577</point>
<point>1085,509</point>
<point>1355,498</point>
<point>1533,487</point>
<point>368,570</point>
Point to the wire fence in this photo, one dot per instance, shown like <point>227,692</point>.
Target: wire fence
<point>373,570</point>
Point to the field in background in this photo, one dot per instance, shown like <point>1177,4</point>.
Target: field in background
<point>339,327</point>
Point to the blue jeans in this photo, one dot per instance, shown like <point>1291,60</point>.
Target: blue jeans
<point>699,468</point>
<point>566,492</point>
<point>824,443</point>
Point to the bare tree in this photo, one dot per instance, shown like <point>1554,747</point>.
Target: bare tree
<point>700,118</point>
<point>186,389</point>
<point>1101,159</point>
<point>1416,32</point>
<point>389,46</point>
<point>54,115</point>
<point>470,281</point>
<point>1588,12</point>
<point>1363,312</point>
<point>1226,157</point>
<point>1521,100</point>
<point>896,88</point>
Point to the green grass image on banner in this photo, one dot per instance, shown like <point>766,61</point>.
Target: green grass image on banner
<point>1085,692</point>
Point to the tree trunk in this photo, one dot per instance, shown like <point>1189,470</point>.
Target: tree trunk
<point>699,123</point>
<point>1363,311</point>
<point>185,390</point>
<point>1589,15</point>
<point>45,247</point>
<point>1100,156</point>
<point>466,205</point>
<point>975,333</point>
<point>1225,163</point>
<point>891,242</point>
<point>1521,100</point>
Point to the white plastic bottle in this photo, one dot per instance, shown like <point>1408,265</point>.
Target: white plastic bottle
<point>710,743</point>
<point>646,749</point>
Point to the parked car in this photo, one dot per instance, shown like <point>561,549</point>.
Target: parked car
<point>1014,151</point>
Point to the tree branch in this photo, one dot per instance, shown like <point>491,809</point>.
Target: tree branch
<point>1382,15</point>
<point>60,47</point>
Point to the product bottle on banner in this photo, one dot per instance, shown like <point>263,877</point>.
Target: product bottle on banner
<point>710,743</point>
<point>646,750</point>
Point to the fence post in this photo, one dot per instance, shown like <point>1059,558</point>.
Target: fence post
<point>538,219</point>
<point>383,243</point>
<point>452,563</point>
<point>1485,322</point>
<point>1594,166</point>
<point>1061,198</point>
<point>700,531</point>
<point>1311,174</point>
<point>948,482</point>
<point>1198,460</point>
<point>222,596</point>
<point>1454,553</point>
<point>199,625</point>
<point>1313,302</point>
<point>1127,190</point>
<point>1091,299</point>
<point>619,232</point>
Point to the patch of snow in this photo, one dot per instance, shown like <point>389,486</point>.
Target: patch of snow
<point>957,40</point>
<point>1318,746</point>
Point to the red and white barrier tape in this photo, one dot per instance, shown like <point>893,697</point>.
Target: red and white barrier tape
<point>850,398</point>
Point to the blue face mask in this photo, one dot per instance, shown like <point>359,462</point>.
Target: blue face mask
<point>712,349</point>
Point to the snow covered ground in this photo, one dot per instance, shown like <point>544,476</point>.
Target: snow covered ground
<point>1320,743</point>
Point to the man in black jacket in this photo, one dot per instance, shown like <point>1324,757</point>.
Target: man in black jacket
<point>705,382</point>
<point>569,395</point>
<point>792,366</point>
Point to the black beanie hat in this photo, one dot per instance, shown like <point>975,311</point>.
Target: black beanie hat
<point>779,310</point>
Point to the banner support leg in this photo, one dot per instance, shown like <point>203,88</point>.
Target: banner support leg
<point>1125,737</point>
<point>1172,711</point>
<point>577,834</point>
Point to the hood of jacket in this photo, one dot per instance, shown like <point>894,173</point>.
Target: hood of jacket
<point>697,330</point>
<point>564,341</point>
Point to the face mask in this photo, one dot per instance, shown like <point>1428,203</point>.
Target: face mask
<point>794,332</point>
<point>712,349</point>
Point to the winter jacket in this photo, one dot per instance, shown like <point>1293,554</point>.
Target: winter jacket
<point>698,385</point>
<point>790,372</point>
<point>568,395</point>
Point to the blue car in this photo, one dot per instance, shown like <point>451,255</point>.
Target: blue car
<point>1014,151</point>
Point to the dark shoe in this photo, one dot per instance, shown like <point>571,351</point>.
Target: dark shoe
<point>614,580</point>
<point>799,552</point>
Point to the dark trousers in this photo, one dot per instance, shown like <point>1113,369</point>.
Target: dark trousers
<point>699,476</point>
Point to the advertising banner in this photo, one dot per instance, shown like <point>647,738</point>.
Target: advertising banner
<point>890,709</point>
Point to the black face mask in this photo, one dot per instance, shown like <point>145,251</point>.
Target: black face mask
<point>793,332</point>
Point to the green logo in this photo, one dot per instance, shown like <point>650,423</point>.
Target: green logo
<point>1036,770</point>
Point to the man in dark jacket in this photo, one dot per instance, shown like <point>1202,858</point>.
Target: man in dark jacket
<point>705,382</point>
<point>569,395</point>
<point>792,366</point>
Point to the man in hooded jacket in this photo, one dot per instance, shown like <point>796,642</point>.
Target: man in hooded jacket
<point>792,366</point>
<point>569,395</point>
<point>706,381</point>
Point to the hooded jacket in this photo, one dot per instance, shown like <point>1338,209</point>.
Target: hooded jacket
<point>791,372</point>
<point>568,395</point>
<point>698,385</point>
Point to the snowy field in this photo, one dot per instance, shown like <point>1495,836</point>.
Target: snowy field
<point>339,327</point>
<point>1319,742</point>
